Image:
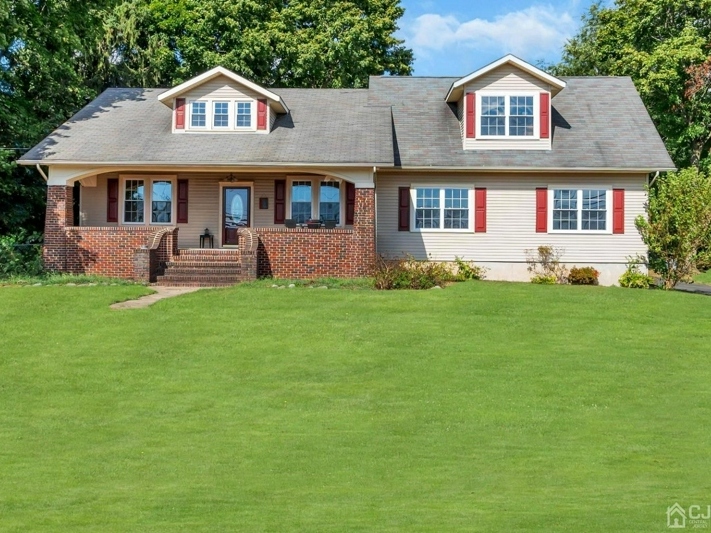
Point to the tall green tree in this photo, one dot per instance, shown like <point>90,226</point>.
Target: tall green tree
<point>665,46</point>
<point>281,43</point>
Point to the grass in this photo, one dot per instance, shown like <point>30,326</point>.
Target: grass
<point>482,407</point>
<point>52,278</point>
<point>703,277</point>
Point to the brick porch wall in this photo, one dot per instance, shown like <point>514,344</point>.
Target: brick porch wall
<point>105,251</point>
<point>304,253</point>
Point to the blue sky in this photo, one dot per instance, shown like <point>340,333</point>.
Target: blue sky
<point>455,37</point>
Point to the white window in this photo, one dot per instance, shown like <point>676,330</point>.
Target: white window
<point>440,208</point>
<point>148,194</point>
<point>198,114</point>
<point>580,210</point>
<point>161,202</point>
<point>220,114</point>
<point>507,115</point>
<point>134,201</point>
<point>315,199</point>
<point>244,115</point>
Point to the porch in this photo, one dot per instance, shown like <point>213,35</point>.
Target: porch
<point>148,226</point>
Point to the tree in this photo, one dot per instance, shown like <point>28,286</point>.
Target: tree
<point>677,229</point>
<point>279,43</point>
<point>664,45</point>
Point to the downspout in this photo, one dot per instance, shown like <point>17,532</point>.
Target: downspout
<point>656,175</point>
<point>39,169</point>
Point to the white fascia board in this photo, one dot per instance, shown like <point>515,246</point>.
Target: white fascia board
<point>168,96</point>
<point>507,59</point>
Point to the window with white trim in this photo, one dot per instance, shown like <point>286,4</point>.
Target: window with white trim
<point>507,115</point>
<point>134,200</point>
<point>220,114</point>
<point>583,210</point>
<point>442,208</point>
<point>244,114</point>
<point>198,114</point>
<point>152,195</point>
<point>315,199</point>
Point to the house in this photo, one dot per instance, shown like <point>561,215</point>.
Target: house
<point>482,167</point>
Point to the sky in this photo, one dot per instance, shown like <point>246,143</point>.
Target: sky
<point>456,37</point>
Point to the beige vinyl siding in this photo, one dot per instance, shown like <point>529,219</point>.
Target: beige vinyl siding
<point>220,88</point>
<point>511,220</point>
<point>93,202</point>
<point>505,79</point>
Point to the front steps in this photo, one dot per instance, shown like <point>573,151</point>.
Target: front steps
<point>203,268</point>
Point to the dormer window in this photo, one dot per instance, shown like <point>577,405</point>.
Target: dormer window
<point>198,115</point>
<point>507,115</point>
<point>244,114</point>
<point>221,114</point>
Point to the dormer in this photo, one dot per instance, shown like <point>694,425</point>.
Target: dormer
<point>506,105</point>
<point>220,101</point>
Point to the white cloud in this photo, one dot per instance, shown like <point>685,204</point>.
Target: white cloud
<point>533,32</point>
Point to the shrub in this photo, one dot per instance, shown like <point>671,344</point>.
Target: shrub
<point>677,229</point>
<point>409,273</point>
<point>467,270</point>
<point>20,255</point>
<point>544,280</point>
<point>544,263</point>
<point>583,276</point>
<point>633,278</point>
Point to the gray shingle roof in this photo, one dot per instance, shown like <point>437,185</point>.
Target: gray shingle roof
<point>598,122</point>
<point>324,127</point>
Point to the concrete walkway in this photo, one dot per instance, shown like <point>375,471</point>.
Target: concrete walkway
<point>161,294</point>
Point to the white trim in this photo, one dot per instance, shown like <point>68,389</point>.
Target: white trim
<point>507,115</point>
<point>176,91</point>
<point>413,208</point>
<point>189,115</point>
<point>579,189</point>
<point>210,116</point>
<point>148,180</point>
<point>229,113</point>
<point>315,196</point>
<point>512,60</point>
<point>250,223</point>
<point>252,115</point>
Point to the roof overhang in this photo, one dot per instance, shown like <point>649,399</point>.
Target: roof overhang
<point>455,92</point>
<point>275,100</point>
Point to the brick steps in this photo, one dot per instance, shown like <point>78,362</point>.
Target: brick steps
<point>203,268</point>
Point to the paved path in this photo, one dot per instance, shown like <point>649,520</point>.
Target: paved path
<point>161,294</point>
<point>696,288</point>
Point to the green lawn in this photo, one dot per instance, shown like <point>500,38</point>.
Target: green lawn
<point>482,407</point>
<point>703,277</point>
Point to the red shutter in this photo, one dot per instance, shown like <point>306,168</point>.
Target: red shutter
<point>545,115</point>
<point>618,210</point>
<point>403,223</point>
<point>279,201</point>
<point>350,203</point>
<point>261,114</point>
<point>480,210</point>
<point>180,113</point>
<point>112,199</point>
<point>182,201</point>
<point>471,115</point>
<point>541,210</point>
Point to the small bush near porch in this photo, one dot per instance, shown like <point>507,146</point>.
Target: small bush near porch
<point>483,407</point>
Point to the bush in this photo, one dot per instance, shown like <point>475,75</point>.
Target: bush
<point>467,270</point>
<point>633,278</point>
<point>544,263</point>
<point>408,273</point>
<point>583,276</point>
<point>20,255</point>
<point>544,280</point>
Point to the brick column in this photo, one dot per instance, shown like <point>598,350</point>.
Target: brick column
<point>364,227</point>
<point>60,215</point>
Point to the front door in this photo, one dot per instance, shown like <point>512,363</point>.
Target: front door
<point>235,213</point>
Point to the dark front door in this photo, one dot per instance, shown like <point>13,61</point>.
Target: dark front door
<point>235,212</point>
